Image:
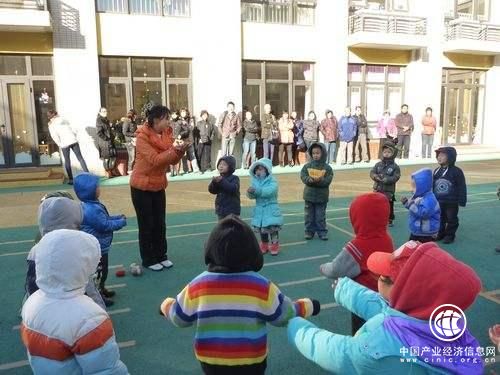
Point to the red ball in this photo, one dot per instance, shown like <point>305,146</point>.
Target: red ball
<point>120,273</point>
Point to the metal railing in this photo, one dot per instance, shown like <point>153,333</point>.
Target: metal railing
<point>291,12</point>
<point>474,30</point>
<point>24,4</point>
<point>389,23</point>
<point>172,8</point>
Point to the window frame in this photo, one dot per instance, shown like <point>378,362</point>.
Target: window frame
<point>161,13</point>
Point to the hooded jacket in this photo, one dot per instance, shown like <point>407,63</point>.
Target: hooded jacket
<point>329,128</point>
<point>400,323</point>
<point>266,212</point>
<point>153,154</point>
<point>369,215</point>
<point>348,127</point>
<point>317,192</point>
<point>227,190</point>
<point>61,132</point>
<point>386,173</point>
<point>424,212</point>
<point>96,219</point>
<point>449,181</point>
<point>64,331</point>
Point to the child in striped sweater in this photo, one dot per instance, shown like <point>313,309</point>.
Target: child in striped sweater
<point>231,303</point>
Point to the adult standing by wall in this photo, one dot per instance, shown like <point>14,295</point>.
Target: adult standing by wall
<point>155,150</point>
<point>362,141</point>
<point>65,137</point>
<point>329,129</point>
<point>386,129</point>
<point>207,132</point>
<point>347,133</point>
<point>229,126</point>
<point>106,143</point>
<point>298,137</point>
<point>404,123</point>
<point>251,128</point>
<point>129,127</point>
<point>311,131</point>
<point>286,139</point>
<point>429,124</point>
<point>268,124</point>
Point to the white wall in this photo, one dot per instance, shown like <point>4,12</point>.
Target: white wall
<point>76,70</point>
<point>491,131</point>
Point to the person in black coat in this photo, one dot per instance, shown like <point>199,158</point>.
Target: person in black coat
<point>105,143</point>
<point>129,127</point>
<point>227,188</point>
<point>450,190</point>
<point>206,132</point>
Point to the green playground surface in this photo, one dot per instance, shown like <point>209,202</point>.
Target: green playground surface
<point>150,344</point>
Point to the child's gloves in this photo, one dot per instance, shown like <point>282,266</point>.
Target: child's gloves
<point>165,306</point>
<point>404,200</point>
<point>316,307</point>
<point>251,190</point>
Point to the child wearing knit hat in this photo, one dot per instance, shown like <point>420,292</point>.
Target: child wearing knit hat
<point>231,303</point>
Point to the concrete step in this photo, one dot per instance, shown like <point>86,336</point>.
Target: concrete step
<point>30,177</point>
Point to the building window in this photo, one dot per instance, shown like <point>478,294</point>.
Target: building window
<point>386,5</point>
<point>468,9</point>
<point>27,89</point>
<point>286,86</point>
<point>171,8</point>
<point>291,12</point>
<point>129,82</point>
<point>376,88</point>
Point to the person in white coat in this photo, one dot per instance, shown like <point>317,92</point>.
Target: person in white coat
<point>65,137</point>
<point>63,330</point>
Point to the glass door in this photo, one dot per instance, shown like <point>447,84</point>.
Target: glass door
<point>116,95</point>
<point>252,99</point>
<point>460,115</point>
<point>20,145</point>
<point>452,115</point>
<point>302,100</point>
<point>3,133</point>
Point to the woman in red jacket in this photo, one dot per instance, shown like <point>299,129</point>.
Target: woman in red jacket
<point>155,151</point>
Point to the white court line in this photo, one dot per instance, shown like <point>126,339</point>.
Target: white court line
<point>327,306</point>
<point>296,260</point>
<point>24,363</point>
<point>293,243</point>
<point>305,281</point>
<point>116,286</point>
<point>339,229</point>
<point>115,266</point>
<point>119,311</point>
<point>16,328</point>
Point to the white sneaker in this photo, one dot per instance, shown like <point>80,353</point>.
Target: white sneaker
<point>166,264</point>
<point>156,267</point>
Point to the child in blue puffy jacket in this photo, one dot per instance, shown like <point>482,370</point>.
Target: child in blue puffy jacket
<point>98,222</point>
<point>424,212</point>
<point>267,219</point>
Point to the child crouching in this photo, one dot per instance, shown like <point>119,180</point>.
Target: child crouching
<point>267,219</point>
<point>231,303</point>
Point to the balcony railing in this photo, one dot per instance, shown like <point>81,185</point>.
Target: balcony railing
<point>474,30</point>
<point>389,23</point>
<point>172,8</point>
<point>291,12</point>
<point>24,4</point>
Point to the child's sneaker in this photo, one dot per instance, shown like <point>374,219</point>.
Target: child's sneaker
<point>308,235</point>
<point>167,263</point>
<point>107,301</point>
<point>107,293</point>
<point>275,248</point>
<point>323,237</point>
<point>156,267</point>
<point>448,239</point>
<point>391,224</point>
<point>264,247</point>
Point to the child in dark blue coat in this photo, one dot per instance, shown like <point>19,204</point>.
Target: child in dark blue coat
<point>227,188</point>
<point>450,190</point>
<point>98,222</point>
<point>423,207</point>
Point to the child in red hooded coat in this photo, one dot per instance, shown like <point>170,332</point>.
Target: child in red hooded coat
<point>369,215</point>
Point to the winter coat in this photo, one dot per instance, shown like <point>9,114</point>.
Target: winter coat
<point>404,120</point>
<point>347,128</point>
<point>266,212</point>
<point>206,130</point>
<point>286,131</point>
<point>105,138</point>
<point>267,125</point>
<point>298,132</point>
<point>64,331</point>
<point>229,124</point>
<point>61,132</point>
<point>424,213</point>
<point>329,129</point>
<point>251,130</point>
<point>389,171</point>
<point>227,190</point>
<point>183,129</point>
<point>449,181</point>
<point>153,155</point>
<point>96,219</point>
<point>362,124</point>
<point>429,125</point>
<point>129,127</point>
<point>382,345</point>
<point>317,192</point>
<point>387,128</point>
<point>311,129</point>
<point>368,214</point>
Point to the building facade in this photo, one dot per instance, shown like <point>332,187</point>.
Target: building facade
<point>302,55</point>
